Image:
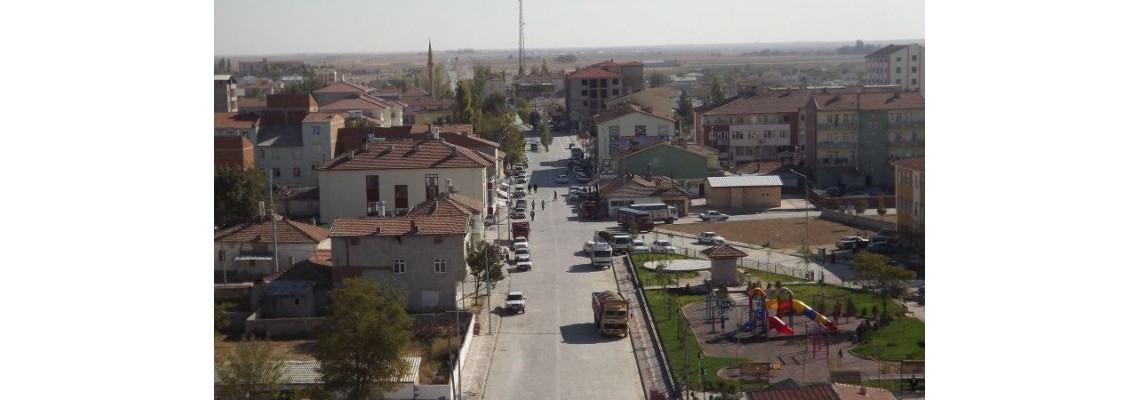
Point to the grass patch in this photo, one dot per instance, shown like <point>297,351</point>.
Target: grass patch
<point>902,339</point>
<point>863,300</point>
<point>770,276</point>
<point>666,320</point>
<point>649,277</point>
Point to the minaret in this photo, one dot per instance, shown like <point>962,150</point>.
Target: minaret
<point>430,72</point>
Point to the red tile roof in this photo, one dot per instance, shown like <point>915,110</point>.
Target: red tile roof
<point>361,103</point>
<point>892,101</point>
<point>288,231</point>
<point>448,204</point>
<point>625,109</point>
<point>408,154</point>
<point>399,226</point>
<point>228,120</point>
<point>913,163</point>
<point>592,73</point>
<point>290,101</point>
<point>836,101</point>
<point>761,167</point>
<point>784,101</point>
<point>321,116</point>
<point>353,138</point>
<point>607,63</point>
<point>233,151</point>
<point>343,87</point>
<point>723,251</point>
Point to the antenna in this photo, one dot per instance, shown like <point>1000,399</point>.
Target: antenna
<point>522,38</point>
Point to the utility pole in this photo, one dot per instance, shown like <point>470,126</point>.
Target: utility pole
<point>522,38</point>
<point>273,217</point>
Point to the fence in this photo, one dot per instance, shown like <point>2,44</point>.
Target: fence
<point>857,221</point>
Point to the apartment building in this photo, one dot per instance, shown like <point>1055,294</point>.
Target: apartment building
<point>756,127</point>
<point>910,196</point>
<point>588,89</point>
<point>901,65</point>
<point>225,93</point>
<point>628,125</point>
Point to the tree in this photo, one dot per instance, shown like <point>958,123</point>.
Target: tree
<point>237,193</point>
<point>545,68</point>
<point>360,344</point>
<point>544,136</point>
<point>716,93</point>
<point>220,317</point>
<point>634,229</point>
<point>495,105</point>
<point>534,118</point>
<point>251,370</point>
<point>306,86</point>
<point>684,111</point>
<point>442,82</point>
<point>464,112</point>
<point>882,210</point>
<point>481,258</point>
<point>254,92</point>
<point>860,206</point>
<point>658,79</point>
<point>885,278</point>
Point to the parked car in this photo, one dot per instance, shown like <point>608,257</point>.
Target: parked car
<point>519,212</point>
<point>589,245</point>
<point>520,180</point>
<point>582,178</point>
<point>663,246</point>
<point>516,302</point>
<point>883,248</point>
<point>523,266</point>
<point>518,192</point>
<point>638,246</point>
<point>522,254</point>
<point>710,238</point>
<point>833,192</point>
<point>562,179</point>
<point>521,244</point>
<point>712,215</point>
<point>852,242</point>
<point>520,203</point>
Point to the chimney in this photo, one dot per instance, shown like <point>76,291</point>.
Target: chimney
<point>414,227</point>
<point>351,155</point>
<point>370,137</point>
<point>383,208</point>
<point>450,187</point>
<point>434,132</point>
<point>261,210</point>
<point>377,230</point>
<point>391,148</point>
<point>454,151</point>
<point>416,147</point>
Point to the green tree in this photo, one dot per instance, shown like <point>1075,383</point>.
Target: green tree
<point>220,317</point>
<point>495,105</point>
<point>251,370</point>
<point>882,210</point>
<point>544,136</point>
<point>634,229</point>
<point>360,345</point>
<point>254,92</point>
<point>483,259</point>
<point>237,192</point>
<point>545,68</point>
<point>464,112</point>
<point>535,118</point>
<point>306,86</point>
<point>658,79</point>
<point>885,278</point>
<point>481,75</point>
<point>860,206</point>
<point>684,111</point>
<point>442,82</point>
<point>716,93</point>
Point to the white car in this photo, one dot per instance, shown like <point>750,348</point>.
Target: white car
<point>521,245</point>
<point>516,302</point>
<point>638,246</point>
<point>712,215</point>
<point>562,179</point>
<point>710,238</point>
<point>588,246</point>
<point>663,246</point>
<point>522,254</point>
<point>523,266</point>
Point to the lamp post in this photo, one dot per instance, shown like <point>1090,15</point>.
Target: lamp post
<point>273,217</point>
<point>807,220</point>
<point>458,368</point>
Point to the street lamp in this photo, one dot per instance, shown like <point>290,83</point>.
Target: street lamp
<point>807,189</point>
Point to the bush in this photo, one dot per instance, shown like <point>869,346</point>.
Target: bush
<point>863,312</point>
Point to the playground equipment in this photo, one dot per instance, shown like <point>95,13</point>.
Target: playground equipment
<point>762,319</point>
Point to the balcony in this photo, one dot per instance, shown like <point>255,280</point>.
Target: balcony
<point>836,145</point>
<point>908,124</point>
<point>823,126</point>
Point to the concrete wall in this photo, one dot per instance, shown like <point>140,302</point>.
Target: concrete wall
<point>280,328</point>
<point>343,192</point>
<point>626,125</point>
<point>724,272</point>
<point>427,291</point>
<point>867,223</point>
<point>665,160</point>
<point>297,251</point>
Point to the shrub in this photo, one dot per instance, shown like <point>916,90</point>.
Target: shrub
<point>863,312</point>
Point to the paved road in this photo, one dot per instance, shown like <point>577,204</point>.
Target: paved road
<point>552,351</point>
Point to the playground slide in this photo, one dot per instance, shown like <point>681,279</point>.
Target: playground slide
<point>801,308</point>
<point>779,325</point>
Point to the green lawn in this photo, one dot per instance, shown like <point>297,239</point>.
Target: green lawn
<point>868,300</point>
<point>649,277</point>
<point>770,277</point>
<point>666,320</point>
<point>903,339</point>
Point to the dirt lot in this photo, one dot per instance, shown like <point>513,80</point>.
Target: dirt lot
<point>784,233</point>
<point>290,349</point>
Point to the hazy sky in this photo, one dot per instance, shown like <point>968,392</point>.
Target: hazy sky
<point>331,26</point>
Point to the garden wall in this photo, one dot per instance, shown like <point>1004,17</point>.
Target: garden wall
<point>861,222</point>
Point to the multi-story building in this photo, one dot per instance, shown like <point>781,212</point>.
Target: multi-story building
<point>225,93</point>
<point>358,102</point>
<point>588,89</point>
<point>901,65</point>
<point>910,196</point>
<point>540,85</point>
<point>853,137</point>
<point>295,139</point>
<point>628,125</point>
<point>387,177</point>
<point>246,251</point>
<point>425,256</point>
<point>756,127</point>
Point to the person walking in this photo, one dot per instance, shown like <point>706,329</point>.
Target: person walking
<point>544,205</point>
<point>531,215</point>
<point>555,195</point>
<point>532,205</point>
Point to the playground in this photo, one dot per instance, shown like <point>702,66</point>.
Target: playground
<point>782,337</point>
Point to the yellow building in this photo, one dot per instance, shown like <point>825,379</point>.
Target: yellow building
<point>910,184</point>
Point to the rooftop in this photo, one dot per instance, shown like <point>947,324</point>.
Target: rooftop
<point>229,120</point>
<point>288,231</point>
<point>744,181</point>
<point>624,109</point>
<point>723,251</point>
<point>913,163</point>
<point>592,73</point>
<point>407,154</point>
<point>399,226</point>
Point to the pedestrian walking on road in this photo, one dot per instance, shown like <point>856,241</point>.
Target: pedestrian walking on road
<point>532,215</point>
<point>544,205</point>
<point>555,195</point>
<point>840,354</point>
<point>532,205</point>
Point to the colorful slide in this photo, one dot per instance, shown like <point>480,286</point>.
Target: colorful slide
<point>800,308</point>
<point>773,323</point>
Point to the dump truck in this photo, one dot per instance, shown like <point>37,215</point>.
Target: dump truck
<point>520,229</point>
<point>611,313</point>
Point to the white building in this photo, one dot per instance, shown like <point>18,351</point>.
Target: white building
<point>246,250</point>
<point>619,128</point>
<point>902,65</point>
<point>390,176</point>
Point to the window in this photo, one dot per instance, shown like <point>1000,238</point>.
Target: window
<point>898,59</point>
<point>431,186</point>
<point>584,92</point>
<point>276,172</point>
<point>261,153</point>
<point>615,130</point>
<point>315,166</point>
<point>399,267</point>
<point>914,81</point>
<point>296,154</point>
<point>783,134</point>
<point>615,81</point>
<point>273,154</point>
<point>440,266</point>
<point>584,104</point>
<point>615,92</point>
<point>584,82</point>
<point>639,130</point>
<point>913,69</point>
<point>914,57</point>
<point>898,70</point>
<point>898,81</point>
<point>296,172</point>
<point>401,196</point>
<point>316,130</point>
